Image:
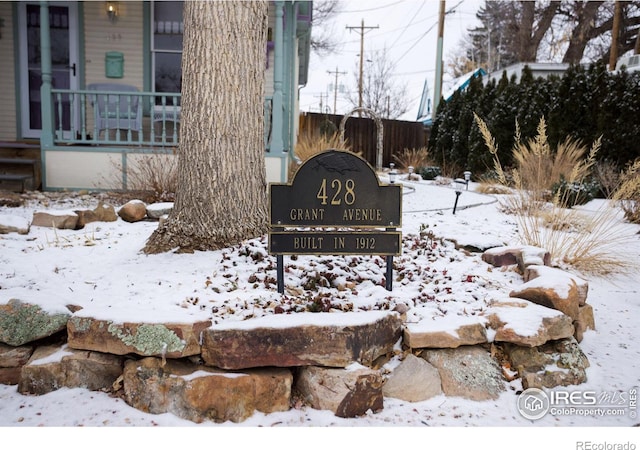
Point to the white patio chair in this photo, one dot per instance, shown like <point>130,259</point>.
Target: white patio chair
<point>117,111</point>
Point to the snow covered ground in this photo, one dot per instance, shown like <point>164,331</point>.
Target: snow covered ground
<point>102,269</point>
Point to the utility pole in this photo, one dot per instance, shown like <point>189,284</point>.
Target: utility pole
<point>335,86</point>
<point>322,95</point>
<point>615,35</point>
<point>438,85</point>
<point>362,30</point>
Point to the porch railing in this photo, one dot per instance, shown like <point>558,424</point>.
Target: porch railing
<point>124,118</point>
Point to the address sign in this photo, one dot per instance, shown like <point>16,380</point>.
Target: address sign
<point>335,205</point>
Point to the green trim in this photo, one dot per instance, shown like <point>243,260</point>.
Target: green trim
<point>112,149</point>
<point>16,68</point>
<point>123,161</point>
<point>146,54</point>
<point>81,44</point>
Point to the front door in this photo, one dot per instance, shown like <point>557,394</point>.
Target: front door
<point>63,22</point>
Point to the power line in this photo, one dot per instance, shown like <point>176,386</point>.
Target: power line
<point>409,24</point>
<point>371,9</point>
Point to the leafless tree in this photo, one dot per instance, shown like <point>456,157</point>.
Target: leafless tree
<point>568,31</point>
<point>323,40</point>
<point>388,99</point>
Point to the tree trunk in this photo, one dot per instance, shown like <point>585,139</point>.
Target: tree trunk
<point>585,15</point>
<point>222,196</point>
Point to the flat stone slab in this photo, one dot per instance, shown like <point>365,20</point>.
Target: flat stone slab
<point>524,323</point>
<point>524,256</point>
<point>170,340</point>
<point>22,322</point>
<point>13,224</point>
<point>52,367</point>
<point>198,393</point>
<point>449,331</point>
<point>302,339</point>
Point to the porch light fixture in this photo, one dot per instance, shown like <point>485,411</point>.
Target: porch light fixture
<point>112,11</point>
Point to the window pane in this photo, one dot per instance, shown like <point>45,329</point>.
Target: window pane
<point>168,72</point>
<point>167,25</point>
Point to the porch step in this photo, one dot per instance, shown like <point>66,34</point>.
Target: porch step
<point>19,165</point>
<point>12,178</point>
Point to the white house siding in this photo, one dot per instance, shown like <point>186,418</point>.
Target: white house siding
<point>102,36</point>
<point>8,125</point>
<point>82,170</point>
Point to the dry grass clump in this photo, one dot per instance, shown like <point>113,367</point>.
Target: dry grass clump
<point>155,175</point>
<point>310,144</point>
<point>608,176</point>
<point>628,192</point>
<point>492,189</point>
<point>591,243</point>
<point>414,157</point>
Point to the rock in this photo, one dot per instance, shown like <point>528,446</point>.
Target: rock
<point>21,323</point>
<point>102,213</point>
<point>11,356</point>
<point>584,322</point>
<point>534,271</point>
<point>10,199</point>
<point>523,256</point>
<point>11,361</point>
<point>445,332</point>
<point>133,211</point>
<point>349,392</point>
<point>414,380</point>
<point>197,393</point>
<point>557,363</point>
<point>532,256</point>
<point>170,340</point>
<point>51,368</point>
<point>468,372</point>
<point>524,323</point>
<point>105,213</point>
<point>10,375</point>
<point>302,339</point>
<point>13,224</point>
<point>157,210</point>
<point>61,220</point>
<point>559,293</point>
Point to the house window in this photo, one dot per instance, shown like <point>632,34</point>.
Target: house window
<point>166,47</point>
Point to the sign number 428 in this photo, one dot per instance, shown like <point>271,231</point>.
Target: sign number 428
<point>349,195</point>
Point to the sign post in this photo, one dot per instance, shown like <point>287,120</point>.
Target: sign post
<point>335,205</point>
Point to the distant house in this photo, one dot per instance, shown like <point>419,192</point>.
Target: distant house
<point>449,88</point>
<point>538,70</point>
<point>631,63</point>
<point>61,60</point>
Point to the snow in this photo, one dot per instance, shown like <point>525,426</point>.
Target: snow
<point>101,269</point>
<point>279,321</point>
<point>9,220</point>
<point>525,319</point>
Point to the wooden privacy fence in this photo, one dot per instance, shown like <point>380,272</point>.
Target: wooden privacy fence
<point>361,134</point>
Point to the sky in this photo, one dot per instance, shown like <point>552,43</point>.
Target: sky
<point>102,269</point>
<point>406,29</point>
